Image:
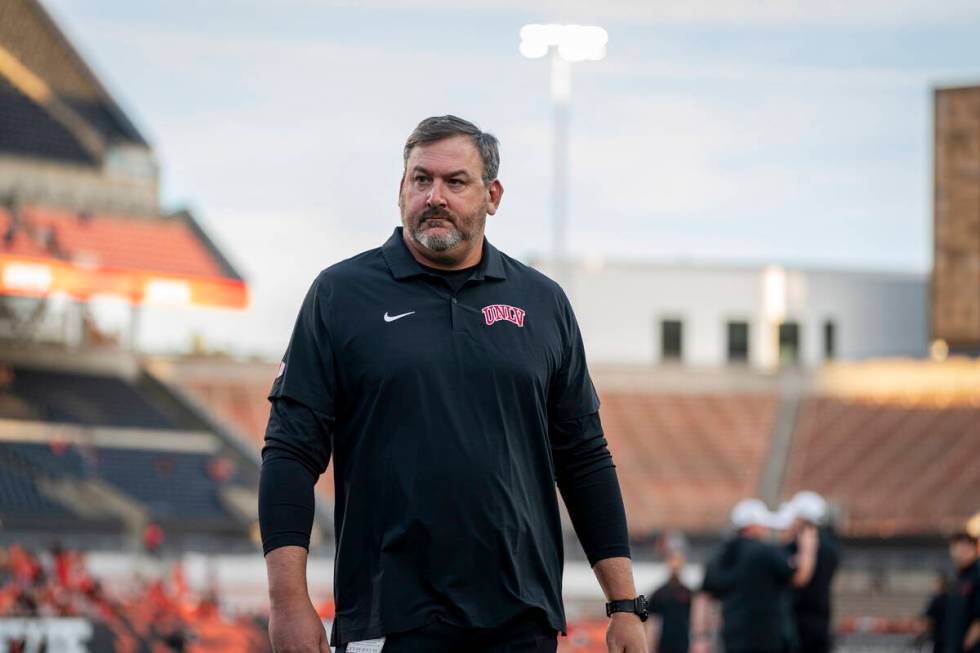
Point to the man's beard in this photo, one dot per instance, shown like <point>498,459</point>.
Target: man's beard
<point>449,237</point>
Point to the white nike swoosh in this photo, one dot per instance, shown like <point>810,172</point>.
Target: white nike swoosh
<point>392,318</point>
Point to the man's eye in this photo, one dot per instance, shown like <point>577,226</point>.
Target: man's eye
<point>421,179</point>
<point>455,182</point>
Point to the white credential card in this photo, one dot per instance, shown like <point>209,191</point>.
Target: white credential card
<point>366,646</point>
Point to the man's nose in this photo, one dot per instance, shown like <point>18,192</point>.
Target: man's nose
<point>436,196</point>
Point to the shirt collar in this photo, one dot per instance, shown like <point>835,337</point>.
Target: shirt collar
<point>403,265</point>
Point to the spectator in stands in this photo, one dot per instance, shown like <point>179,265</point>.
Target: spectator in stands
<point>751,577</point>
<point>671,602</point>
<point>963,603</point>
<point>811,603</point>
<point>934,616</point>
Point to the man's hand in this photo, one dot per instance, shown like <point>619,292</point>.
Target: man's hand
<point>808,541</point>
<point>294,625</point>
<point>625,634</point>
<point>297,629</point>
<point>701,646</point>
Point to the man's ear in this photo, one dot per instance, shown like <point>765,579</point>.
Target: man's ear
<point>401,183</point>
<point>496,192</point>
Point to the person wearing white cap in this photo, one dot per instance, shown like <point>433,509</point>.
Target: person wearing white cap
<point>812,609</point>
<point>751,575</point>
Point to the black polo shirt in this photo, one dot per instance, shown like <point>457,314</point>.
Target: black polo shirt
<point>752,579</point>
<point>963,608</point>
<point>672,603</point>
<point>936,613</point>
<point>441,405</point>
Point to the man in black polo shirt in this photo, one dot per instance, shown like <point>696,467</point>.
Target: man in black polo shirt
<point>449,384</point>
<point>963,608</point>
<point>671,602</point>
<point>751,576</point>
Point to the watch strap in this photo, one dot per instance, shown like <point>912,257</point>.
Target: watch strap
<point>637,606</point>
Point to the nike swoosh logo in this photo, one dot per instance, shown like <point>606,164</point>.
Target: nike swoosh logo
<point>392,318</point>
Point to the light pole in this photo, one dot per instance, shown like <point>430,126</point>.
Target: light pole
<point>566,44</point>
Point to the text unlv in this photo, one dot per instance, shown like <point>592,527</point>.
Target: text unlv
<point>497,312</point>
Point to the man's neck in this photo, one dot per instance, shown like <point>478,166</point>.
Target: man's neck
<point>448,261</point>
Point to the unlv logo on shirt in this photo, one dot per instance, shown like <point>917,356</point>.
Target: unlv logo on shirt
<point>497,312</point>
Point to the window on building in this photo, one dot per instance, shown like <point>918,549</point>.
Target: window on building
<point>829,340</point>
<point>789,343</point>
<point>671,340</point>
<point>738,342</point>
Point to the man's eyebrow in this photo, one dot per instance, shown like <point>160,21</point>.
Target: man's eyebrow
<point>455,173</point>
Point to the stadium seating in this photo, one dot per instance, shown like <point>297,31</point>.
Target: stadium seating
<point>171,485</point>
<point>85,399</point>
<point>893,469</point>
<point>684,459</point>
<point>237,392</point>
<point>165,245</point>
<point>19,495</point>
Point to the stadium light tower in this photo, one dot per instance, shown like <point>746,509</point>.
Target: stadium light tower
<point>567,44</point>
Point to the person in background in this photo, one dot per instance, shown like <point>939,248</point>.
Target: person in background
<point>671,603</point>
<point>963,603</point>
<point>750,576</point>
<point>934,616</point>
<point>812,603</point>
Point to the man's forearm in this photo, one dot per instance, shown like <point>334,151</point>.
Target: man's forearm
<point>615,576</point>
<point>972,636</point>
<point>286,568</point>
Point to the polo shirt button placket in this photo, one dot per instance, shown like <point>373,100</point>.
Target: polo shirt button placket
<point>455,303</point>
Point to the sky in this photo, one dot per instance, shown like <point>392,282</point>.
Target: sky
<point>748,131</point>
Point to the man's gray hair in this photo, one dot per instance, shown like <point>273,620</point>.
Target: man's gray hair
<point>438,128</point>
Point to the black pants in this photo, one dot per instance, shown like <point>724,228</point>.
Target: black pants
<point>529,633</point>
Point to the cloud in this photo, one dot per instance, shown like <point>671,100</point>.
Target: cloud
<point>699,12</point>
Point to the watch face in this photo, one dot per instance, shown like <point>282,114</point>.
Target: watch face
<point>642,607</point>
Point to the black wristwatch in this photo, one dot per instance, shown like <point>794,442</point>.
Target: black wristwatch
<point>637,606</point>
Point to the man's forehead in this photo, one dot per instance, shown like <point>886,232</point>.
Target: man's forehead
<point>447,154</point>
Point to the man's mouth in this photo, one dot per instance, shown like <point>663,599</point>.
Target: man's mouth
<point>435,221</point>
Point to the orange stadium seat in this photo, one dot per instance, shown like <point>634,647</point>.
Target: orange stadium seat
<point>684,459</point>
<point>893,469</point>
<point>156,244</point>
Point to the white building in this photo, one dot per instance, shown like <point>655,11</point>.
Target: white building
<point>643,313</point>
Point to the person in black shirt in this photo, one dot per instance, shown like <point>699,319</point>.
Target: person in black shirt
<point>672,603</point>
<point>448,383</point>
<point>934,616</point>
<point>751,577</point>
<point>963,604</point>
<point>811,603</point>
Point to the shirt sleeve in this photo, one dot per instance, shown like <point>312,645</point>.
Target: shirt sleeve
<point>571,394</point>
<point>584,469</point>
<point>296,452</point>
<point>778,563</point>
<point>307,372</point>
<point>298,436</point>
<point>974,607</point>
<point>587,479</point>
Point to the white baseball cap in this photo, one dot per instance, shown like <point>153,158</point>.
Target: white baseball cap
<point>783,518</point>
<point>751,512</point>
<point>809,506</point>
